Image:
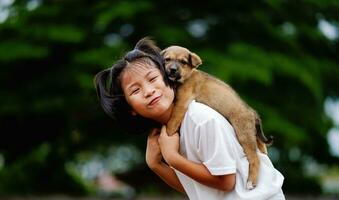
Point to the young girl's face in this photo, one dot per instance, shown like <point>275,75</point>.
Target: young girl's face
<point>146,92</point>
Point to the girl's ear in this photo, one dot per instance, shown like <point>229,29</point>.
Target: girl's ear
<point>134,113</point>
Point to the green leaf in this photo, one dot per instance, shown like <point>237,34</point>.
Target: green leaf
<point>14,50</point>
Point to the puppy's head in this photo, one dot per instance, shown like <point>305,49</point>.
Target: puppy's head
<point>179,63</point>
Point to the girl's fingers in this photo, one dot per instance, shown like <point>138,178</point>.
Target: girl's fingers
<point>154,132</point>
<point>163,130</point>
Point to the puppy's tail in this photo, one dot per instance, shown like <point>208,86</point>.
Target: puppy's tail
<point>260,133</point>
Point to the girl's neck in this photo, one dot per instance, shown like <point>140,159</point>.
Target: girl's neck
<point>166,116</point>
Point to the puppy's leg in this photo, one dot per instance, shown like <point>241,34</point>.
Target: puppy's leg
<point>260,133</point>
<point>262,146</point>
<point>244,127</point>
<point>183,97</point>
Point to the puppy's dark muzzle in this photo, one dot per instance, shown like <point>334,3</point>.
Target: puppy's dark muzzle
<point>173,73</point>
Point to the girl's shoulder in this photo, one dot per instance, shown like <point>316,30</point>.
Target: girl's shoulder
<point>200,113</point>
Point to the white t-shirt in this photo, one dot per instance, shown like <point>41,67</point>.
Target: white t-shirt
<point>207,137</point>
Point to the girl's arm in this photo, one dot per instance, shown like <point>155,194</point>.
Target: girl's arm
<point>200,173</point>
<point>153,160</point>
<point>167,174</point>
<point>197,171</point>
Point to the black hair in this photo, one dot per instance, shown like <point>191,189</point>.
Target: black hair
<point>111,96</point>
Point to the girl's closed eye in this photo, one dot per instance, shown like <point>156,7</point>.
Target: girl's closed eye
<point>134,91</point>
<point>153,78</point>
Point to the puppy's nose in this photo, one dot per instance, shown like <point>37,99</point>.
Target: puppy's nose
<point>173,69</point>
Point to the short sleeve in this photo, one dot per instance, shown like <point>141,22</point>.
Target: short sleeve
<point>216,146</point>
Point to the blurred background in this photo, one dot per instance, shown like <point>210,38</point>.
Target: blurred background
<point>280,55</point>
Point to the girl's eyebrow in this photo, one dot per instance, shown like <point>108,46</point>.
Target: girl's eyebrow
<point>130,86</point>
<point>135,83</point>
<point>149,73</point>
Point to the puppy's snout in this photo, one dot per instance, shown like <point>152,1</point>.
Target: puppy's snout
<point>173,72</point>
<point>173,69</point>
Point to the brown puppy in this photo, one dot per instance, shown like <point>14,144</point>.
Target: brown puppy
<point>194,84</point>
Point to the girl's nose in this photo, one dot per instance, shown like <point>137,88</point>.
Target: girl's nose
<point>149,91</point>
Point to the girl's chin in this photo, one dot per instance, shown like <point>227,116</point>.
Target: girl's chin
<point>159,113</point>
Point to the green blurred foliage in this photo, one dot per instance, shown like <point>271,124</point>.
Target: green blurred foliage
<point>272,52</point>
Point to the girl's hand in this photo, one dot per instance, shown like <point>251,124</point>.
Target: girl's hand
<point>169,145</point>
<point>153,153</point>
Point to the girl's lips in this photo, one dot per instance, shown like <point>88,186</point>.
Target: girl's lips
<point>154,101</point>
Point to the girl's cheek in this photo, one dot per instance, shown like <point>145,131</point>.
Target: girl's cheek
<point>130,100</point>
<point>134,100</point>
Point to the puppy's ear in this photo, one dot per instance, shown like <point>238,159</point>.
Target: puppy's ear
<point>162,53</point>
<point>195,60</point>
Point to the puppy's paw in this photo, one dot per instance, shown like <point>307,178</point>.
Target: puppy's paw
<point>170,130</point>
<point>250,185</point>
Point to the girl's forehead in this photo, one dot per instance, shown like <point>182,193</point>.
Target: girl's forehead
<point>139,68</point>
<point>136,71</point>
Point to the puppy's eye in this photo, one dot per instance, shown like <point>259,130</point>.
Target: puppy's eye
<point>184,62</point>
<point>167,59</point>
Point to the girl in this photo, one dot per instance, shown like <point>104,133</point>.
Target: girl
<point>206,161</point>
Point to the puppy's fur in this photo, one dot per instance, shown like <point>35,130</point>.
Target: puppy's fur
<point>193,84</point>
